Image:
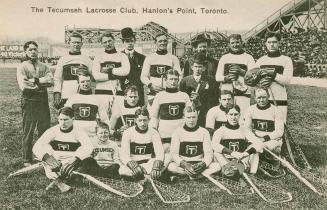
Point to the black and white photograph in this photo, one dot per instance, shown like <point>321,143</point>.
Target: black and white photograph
<point>190,104</point>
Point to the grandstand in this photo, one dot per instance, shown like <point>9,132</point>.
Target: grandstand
<point>302,24</point>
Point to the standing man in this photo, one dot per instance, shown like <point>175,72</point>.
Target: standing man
<point>231,70</point>
<point>202,89</point>
<point>157,64</point>
<point>278,72</point>
<point>108,68</point>
<point>33,78</point>
<point>201,44</point>
<point>136,61</point>
<point>65,77</point>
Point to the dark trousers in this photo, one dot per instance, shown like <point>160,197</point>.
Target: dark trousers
<point>36,115</point>
<point>90,166</point>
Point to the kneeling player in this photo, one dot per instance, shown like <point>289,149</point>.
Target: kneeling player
<point>63,147</point>
<point>105,159</point>
<point>86,106</point>
<point>235,142</point>
<point>139,144</point>
<point>266,122</point>
<point>123,112</point>
<point>191,149</point>
<point>216,116</point>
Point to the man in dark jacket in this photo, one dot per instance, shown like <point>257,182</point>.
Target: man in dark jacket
<point>202,89</point>
<point>201,43</point>
<point>136,63</point>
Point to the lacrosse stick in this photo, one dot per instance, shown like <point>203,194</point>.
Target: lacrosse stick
<point>298,175</point>
<point>118,187</point>
<point>288,142</point>
<point>230,186</point>
<point>25,170</point>
<point>166,193</point>
<point>270,170</point>
<point>146,90</point>
<point>268,192</point>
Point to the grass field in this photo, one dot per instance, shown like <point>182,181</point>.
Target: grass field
<point>306,121</point>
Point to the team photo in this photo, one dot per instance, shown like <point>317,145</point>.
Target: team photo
<point>195,110</point>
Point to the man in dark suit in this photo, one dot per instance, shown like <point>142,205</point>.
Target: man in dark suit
<point>201,43</point>
<point>202,89</point>
<point>136,61</point>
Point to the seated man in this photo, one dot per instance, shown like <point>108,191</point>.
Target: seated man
<point>234,142</point>
<point>63,147</point>
<point>216,116</point>
<point>266,122</point>
<point>86,106</point>
<point>141,149</point>
<point>123,112</point>
<point>191,150</point>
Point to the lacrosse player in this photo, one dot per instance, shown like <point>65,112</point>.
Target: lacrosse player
<point>278,71</point>
<point>216,116</point>
<point>108,68</point>
<point>63,147</point>
<point>123,112</point>
<point>191,150</point>
<point>266,122</point>
<point>231,70</point>
<point>235,142</point>
<point>167,110</point>
<point>65,76</point>
<point>202,89</point>
<point>86,106</point>
<point>156,65</point>
<point>139,144</point>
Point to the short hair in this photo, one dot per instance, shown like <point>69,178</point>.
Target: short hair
<point>75,35</point>
<point>234,106</point>
<point>107,34</point>
<point>27,44</point>
<point>142,111</point>
<point>272,34</point>
<point>131,88</point>
<point>226,92</point>
<point>160,34</point>
<point>261,89</point>
<point>102,125</point>
<point>198,58</point>
<point>189,108</point>
<point>171,72</point>
<point>68,111</point>
<point>234,36</point>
